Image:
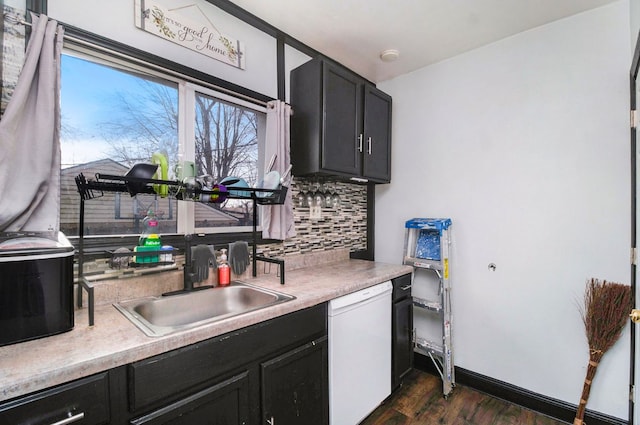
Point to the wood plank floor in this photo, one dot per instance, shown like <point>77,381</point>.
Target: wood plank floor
<point>420,402</point>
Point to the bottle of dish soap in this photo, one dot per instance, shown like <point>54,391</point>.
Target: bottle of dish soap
<point>150,226</point>
<point>224,271</point>
<point>149,239</point>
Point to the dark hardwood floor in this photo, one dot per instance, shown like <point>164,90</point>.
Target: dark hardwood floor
<point>420,402</point>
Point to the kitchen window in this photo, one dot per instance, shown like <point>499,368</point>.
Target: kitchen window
<point>116,114</point>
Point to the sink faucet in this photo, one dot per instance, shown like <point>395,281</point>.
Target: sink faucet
<point>189,275</point>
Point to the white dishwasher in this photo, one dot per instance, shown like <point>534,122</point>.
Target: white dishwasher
<point>359,353</point>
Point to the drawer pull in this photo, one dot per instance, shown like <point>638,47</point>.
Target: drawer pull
<point>272,421</point>
<point>70,419</point>
<point>404,288</point>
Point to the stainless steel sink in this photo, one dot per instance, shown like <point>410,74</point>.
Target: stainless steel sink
<point>158,316</point>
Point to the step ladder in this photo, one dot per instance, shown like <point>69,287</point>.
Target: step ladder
<point>426,246</point>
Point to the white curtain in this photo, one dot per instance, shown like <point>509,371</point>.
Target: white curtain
<point>277,220</point>
<point>30,136</point>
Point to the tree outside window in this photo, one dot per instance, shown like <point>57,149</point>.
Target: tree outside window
<point>114,117</point>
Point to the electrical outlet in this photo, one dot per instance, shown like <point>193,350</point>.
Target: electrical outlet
<point>315,212</point>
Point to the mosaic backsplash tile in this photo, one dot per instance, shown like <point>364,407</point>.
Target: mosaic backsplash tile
<point>342,227</point>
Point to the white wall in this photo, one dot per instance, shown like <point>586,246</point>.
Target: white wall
<point>292,59</point>
<point>524,144</point>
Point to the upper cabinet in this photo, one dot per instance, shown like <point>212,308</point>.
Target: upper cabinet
<point>341,124</point>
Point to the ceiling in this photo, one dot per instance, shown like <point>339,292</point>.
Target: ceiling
<point>355,32</point>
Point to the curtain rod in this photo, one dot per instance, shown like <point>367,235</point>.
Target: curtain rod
<point>15,19</point>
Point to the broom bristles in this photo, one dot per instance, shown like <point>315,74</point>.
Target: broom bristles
<point>607,306</point>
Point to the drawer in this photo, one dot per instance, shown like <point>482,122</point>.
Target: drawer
<point>86,400</point>
<point>401,287</point>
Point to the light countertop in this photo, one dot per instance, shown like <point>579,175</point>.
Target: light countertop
<point>114,341</point>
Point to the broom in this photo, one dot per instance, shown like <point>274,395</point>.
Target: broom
<point>606,311</point>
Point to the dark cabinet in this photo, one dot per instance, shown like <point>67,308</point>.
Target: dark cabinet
<point>295,386</point>
<point>376,147</point>
<point>277,368</point>
<point>341,124</point>
<point>342,107</point>
<point>81,402</point>
<point>402,328</point>
<point>226,403</point>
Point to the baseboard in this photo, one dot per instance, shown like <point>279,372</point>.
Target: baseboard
<point>554,408</point>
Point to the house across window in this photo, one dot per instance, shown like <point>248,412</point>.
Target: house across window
<point>114,116</point>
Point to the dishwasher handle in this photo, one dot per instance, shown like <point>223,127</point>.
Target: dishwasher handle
<point>348,301</point>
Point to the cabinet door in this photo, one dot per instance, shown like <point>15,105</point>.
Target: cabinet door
<point>402,353</point>
<point>295,388</point>
<point>226,403</point>
<point>377,135</point>
<point>342,117</point>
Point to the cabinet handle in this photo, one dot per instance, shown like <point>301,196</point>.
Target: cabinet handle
<point>271,421</point>
<point>70,419</point>
<point>369,145</point>
<point>360,142</point>
<point>404,288</point>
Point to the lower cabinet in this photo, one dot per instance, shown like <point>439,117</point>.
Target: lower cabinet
<point>273,371</point>
<point>402,328</point>
<point>294,387</point>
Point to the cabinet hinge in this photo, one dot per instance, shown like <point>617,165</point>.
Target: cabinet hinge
<point>632,393</point>
<point>634,256</point>
<point>633,118</point>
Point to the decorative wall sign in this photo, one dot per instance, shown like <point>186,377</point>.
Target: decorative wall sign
<point>200,36</point>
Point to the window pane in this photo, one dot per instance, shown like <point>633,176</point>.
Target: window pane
<point>112,119</point>
<point>226,145</point>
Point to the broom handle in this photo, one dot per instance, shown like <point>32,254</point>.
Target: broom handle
<point>586,389</point>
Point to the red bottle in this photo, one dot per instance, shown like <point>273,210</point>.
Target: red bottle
<point>224,275</point>
<point>224,271</point>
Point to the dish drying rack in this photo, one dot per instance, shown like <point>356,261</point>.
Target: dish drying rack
<point>95,188</point>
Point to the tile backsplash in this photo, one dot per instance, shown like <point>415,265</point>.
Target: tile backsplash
<point>342,227</point>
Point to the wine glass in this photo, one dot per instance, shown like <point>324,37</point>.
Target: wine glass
<point>328,200</point>
<point>328,197</point>
<point>301,198</point>
<point>309,198</point>
<point>335,199</point>
<point>318,195</point>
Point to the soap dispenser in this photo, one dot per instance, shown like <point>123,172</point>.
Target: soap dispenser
<point>224,271</point>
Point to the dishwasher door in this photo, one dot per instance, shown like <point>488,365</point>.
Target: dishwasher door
<point>359,353</point>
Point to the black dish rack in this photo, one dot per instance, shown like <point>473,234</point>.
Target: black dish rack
<point>95,188</point>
